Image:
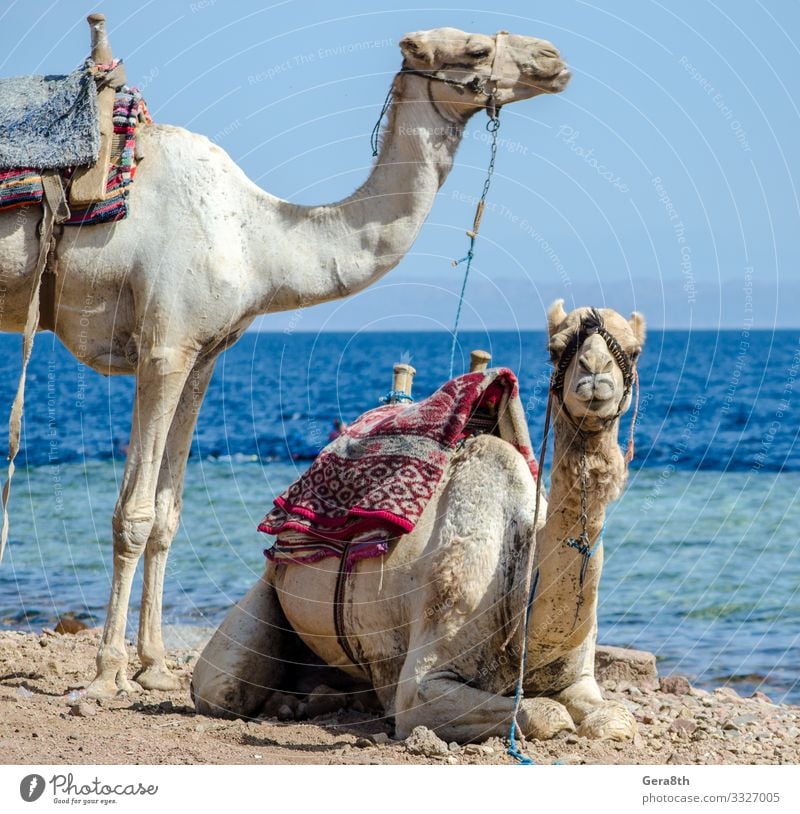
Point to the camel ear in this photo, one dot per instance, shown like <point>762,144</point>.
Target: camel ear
<point>638,326</point>
<point>417,50</point>
<point>555,316</point>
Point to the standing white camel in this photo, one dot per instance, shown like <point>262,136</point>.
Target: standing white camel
<point>438,626</point>
<point>204,251</point>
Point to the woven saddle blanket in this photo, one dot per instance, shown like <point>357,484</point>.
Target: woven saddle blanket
<point>372,483</point>
<point>49,122</point>
<point>21,185</point>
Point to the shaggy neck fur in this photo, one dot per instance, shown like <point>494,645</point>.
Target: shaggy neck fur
<point>339,249</point>
<point>554,624</point>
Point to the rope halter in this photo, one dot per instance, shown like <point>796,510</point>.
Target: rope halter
<point>591,324</point>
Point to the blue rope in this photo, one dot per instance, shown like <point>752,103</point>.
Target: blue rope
<point>492,126</point>
<point>583,548</point>
<point>468,258</point>
<point>395,395</point>
<point>513,749</point>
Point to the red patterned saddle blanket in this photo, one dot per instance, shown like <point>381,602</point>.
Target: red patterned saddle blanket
<point>372,483</point>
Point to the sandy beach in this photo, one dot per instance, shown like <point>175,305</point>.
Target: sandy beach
<point>46,720</point>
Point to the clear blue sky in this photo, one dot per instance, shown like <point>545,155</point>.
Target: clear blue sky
<point>701,95</point>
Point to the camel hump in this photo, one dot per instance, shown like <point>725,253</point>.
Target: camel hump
<point>490,450</point>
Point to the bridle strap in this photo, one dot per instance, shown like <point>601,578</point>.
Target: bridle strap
<point>475,85</point>
<point>500,46</point>
<point>500,43</point>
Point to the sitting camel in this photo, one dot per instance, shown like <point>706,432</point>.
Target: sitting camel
<point>438,628</point>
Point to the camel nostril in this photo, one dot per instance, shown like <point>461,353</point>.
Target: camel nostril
<point>547,52</point>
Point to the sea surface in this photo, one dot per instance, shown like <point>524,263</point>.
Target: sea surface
<point>702,552</point>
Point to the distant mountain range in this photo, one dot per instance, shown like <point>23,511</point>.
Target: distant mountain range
<point>406,302</point>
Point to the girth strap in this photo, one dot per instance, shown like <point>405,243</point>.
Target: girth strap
<point>338,606</point>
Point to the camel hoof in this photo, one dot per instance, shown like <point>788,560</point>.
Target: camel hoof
<point>543,718</point>
<point>157,678</point>
<point>105,688</point>
<point>609,722</point>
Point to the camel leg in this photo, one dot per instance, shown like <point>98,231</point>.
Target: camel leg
<point>595,717</point>
<point>160,380</point>
<point>247,658</point>
<point>458,712</point>
<point>154,674</point>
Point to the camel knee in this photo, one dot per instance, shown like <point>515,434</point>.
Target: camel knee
<point>132,530</point>
<point>421,702</point>
<point>222,694</point>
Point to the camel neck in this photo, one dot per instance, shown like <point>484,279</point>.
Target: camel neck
<point>559,620</point>
<point>331,251</point>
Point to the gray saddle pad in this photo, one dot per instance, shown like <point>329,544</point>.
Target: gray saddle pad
<point>49,122</point>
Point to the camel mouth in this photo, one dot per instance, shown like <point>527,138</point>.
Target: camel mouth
<point>556,82</point>
<point>598,404</point>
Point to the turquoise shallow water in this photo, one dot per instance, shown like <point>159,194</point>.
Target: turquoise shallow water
<point>703,568</point>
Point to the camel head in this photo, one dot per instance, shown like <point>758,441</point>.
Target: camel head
<point>474,67</point>
<point>594,352</point>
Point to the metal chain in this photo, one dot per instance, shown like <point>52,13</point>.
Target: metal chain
<point>582,544</point>
<point>493,125</point>
<point>584,495</point>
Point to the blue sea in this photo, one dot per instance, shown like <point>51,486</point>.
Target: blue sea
<point>702,552</point>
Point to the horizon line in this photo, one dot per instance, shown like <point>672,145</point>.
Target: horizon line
<point>733,329</point>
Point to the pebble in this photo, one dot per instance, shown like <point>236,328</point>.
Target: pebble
<point>381,739</point>
<point>83,710</point>
<point>324,700</point>
<point>422,741</point>
<point>285,713</point>
<point>363,743</point>
<point>70,625</point>
<point>682,726</point>
<point>675,685</point>
<point>727,694</point>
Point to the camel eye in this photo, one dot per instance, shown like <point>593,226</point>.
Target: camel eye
<point>481,54</point>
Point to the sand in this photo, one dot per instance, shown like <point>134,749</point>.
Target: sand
<point>44,719</point>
